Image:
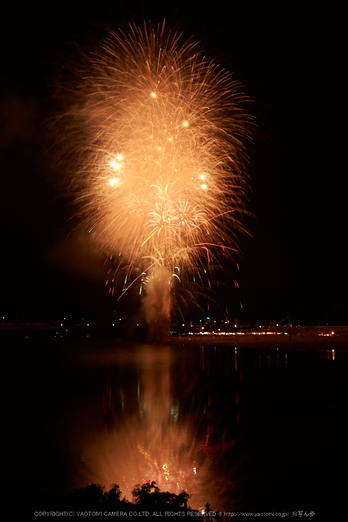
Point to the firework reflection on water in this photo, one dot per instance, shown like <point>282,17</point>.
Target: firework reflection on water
<point>143,433</point>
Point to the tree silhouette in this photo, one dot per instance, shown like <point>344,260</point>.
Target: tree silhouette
<point>93,501</point>
<point>149,496</point>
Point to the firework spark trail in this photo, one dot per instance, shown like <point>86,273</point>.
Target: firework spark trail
<point>161,174</point>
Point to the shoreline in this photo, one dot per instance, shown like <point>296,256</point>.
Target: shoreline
<point>266,341</point>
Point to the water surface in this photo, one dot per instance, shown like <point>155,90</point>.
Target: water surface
<point>238,427</point>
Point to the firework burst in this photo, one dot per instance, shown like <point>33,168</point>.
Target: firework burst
<point>161,177</point>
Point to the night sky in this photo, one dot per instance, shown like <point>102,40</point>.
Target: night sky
<point>292,62</point>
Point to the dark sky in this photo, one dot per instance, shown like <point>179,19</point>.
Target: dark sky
<point>292,61</point>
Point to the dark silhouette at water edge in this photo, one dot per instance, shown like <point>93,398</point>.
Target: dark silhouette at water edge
<point>93,502</point>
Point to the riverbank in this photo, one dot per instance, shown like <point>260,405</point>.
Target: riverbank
<point>268,341</point>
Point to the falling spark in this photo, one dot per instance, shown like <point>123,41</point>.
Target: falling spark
<point>171,125</point>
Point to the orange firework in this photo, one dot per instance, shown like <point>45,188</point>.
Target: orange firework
<point>161,178</point>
